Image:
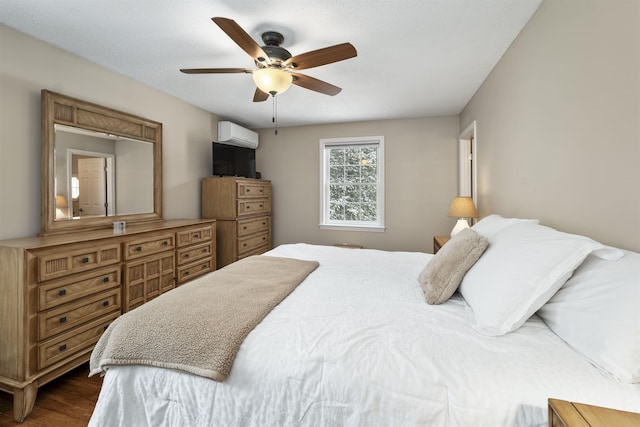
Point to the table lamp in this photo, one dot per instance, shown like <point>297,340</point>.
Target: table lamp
<point>462,208</point>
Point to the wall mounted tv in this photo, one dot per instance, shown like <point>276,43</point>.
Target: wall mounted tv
<point>230,160</point>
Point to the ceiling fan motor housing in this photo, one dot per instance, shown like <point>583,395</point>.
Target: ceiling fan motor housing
<point>272,41</point>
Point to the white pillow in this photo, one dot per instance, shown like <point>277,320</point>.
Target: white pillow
<point>494,223</point>
<point>597,312</point>
<point>524,265</point>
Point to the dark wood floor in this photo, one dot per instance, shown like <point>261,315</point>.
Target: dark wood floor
<point>67,401</point>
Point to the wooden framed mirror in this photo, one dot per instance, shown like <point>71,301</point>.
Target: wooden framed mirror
<point>99,165</point>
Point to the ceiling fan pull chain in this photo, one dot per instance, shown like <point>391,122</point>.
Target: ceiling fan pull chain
<point>274,119</point>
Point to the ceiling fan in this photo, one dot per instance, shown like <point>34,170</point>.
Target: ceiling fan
<point>276,67</point>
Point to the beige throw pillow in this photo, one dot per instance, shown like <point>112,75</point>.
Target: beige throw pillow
<point>442,275</point>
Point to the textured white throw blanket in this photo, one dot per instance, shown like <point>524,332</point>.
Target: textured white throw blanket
<point>199,326</point>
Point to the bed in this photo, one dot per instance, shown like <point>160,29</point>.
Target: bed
<point>355,344</point>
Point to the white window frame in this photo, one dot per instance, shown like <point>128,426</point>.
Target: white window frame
<point>325,222</point>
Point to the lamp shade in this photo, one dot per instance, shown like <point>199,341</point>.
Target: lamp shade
<point>61,202</point>
<point>463,207</point>
<point>272,80</point>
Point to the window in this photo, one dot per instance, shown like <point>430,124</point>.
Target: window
<point>352,183</point>
<point>75,187</point>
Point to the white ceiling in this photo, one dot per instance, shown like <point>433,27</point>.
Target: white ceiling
<point>416,58</point>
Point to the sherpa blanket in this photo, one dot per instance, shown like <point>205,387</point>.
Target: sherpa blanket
<point>198,327</point>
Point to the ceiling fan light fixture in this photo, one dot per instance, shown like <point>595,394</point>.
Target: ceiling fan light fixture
<point>272,80</point>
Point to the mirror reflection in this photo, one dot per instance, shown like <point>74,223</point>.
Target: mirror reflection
<point>98,174</point>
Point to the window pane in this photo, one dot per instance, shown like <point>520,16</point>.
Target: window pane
<point>352,174</point>
<point>336,156</point>
<point>369,155</point>
<point>369,212</point>
<point>336,211</point>
<point>368,174</point>
<point>336,192</point>
<point>352,193</point>
<point>352,212</point>
<point>368,194</point>
<point>352,156</point>
<point>336,174</point>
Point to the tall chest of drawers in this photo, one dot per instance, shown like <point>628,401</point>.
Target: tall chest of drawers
<point>242,209</point>
<point>59,293</point>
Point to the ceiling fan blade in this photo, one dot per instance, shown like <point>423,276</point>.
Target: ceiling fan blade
<point>260,96</point>
<point>242,39</point>
<point>314,84</point>
<point>216,70</point>
<point>323,56</point>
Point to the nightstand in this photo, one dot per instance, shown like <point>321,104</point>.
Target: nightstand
<point>348,246</point>
<point>438,242</point>
<point>571,414</point>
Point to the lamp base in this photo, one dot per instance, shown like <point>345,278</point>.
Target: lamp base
<point>460,225</point>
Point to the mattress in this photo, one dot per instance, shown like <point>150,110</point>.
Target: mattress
<point>356,345</point>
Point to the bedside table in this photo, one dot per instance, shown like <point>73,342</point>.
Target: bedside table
<point>571,414</point>
<point>347,245</point>
<point>438,242</point>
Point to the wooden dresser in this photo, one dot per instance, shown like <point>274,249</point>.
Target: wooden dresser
<point>242,209</point>
<point>60,292</point>
<point>570,414</point>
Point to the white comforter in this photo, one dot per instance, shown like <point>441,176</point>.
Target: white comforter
<point>356,345</point>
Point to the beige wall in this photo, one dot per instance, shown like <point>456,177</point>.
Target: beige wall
<point>420,181</point>
<point>559,122</point>
<point>27,66</point>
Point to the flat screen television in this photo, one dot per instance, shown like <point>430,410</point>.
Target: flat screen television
<point>230,160</point>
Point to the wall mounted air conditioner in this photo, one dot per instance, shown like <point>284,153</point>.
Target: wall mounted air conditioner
<point>233,134</point>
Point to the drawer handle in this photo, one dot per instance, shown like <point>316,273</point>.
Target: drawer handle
<point>105,280</point>
<point>186,273</point>
<point>85,260</point>
<point>262,190</point>
<point>165,243</point>
<point>244,245</point>
<point>244,228</point>
<point>62,292</point>
<point>196,236</point>
<point>264,238</point>
<point>105,304</point>
<point>63,319</point>
<point>260,205</point>
<point>264,223</point>
<point>186,255</point>
<point>205,266</point>
<point>248,207</point>
<point>139,249</point>
<point>205,250</point>
<point>63,347</point>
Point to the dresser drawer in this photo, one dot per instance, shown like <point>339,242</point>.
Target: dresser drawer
<point>150,245</point>
<point>63,318</point>
<point>253,225</point>
<point>250,243</point>
<point>193,253</point>
<point>248,189</point>
<point>196,269</point>
<point>62,291</point>
<point>256,251</point>
<point>72,342</point>
<point>64,263</point>
<point>253,207</point>
<point>194,235</point>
